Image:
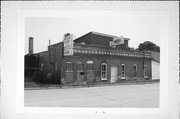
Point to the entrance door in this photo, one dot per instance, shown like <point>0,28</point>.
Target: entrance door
<point>114,74</point>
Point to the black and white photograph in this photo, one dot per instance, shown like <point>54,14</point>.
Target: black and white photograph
<point>92,61</point>
<point>89,59</point>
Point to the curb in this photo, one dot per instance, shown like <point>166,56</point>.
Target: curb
<point>96,85</point>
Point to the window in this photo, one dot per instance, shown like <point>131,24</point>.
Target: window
<point>145,71</point>
<point>89,65</point>
<point>80,66</point>
<point>103,71</point>
<point>123,70</point>
<point>68,66</point>
<point>41,67</point>
<point>134,70</point>
<point>56,66</point>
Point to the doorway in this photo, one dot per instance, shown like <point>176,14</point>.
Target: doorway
<point>114,74</point>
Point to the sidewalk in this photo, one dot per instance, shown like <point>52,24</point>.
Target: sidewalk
<point>55,86</point>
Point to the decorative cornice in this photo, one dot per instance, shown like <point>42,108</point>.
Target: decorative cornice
<point>87,49</point>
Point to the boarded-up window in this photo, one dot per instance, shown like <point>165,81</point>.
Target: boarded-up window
<point>80,66</point>
<point>69,66</point>
<point>135,70</point>
<point>89,65</point>
<point>56,66</point>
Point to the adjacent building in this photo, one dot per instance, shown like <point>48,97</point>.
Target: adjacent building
<point>155,62</point>
<point>94,57</point>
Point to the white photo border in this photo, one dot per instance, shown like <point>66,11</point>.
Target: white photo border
<point>169,68</point>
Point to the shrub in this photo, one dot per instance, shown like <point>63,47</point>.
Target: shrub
<point>38,77</point>
<point>41,77</point>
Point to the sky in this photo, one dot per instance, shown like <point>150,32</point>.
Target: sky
<point>43,29</point>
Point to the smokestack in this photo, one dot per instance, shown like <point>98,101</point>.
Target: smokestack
<point>30,45</point>
<point>49,42</point>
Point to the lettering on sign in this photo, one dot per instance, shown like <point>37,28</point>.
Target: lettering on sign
<point>68,52</point>
<point>68,44</point>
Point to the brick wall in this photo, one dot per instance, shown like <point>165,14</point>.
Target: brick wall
<point>56,59</point>
<point>74,76</point>
<point>44,60</point>
<point>110,61</point>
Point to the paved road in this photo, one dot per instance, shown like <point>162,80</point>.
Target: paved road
<point>144,95</point>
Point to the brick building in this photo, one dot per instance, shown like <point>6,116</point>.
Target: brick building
<point>94,57</point>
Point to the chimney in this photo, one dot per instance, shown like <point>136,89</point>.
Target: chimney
<point>30,45</point>
<point>49,42</point>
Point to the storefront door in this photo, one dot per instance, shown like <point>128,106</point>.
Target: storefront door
<point>114,74</point>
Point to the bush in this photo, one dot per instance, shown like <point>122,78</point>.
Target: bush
<point>41,77</point>
<point>38,77</point>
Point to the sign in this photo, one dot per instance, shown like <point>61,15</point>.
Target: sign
<point>111,43</point>
<point>118,40</point>
<point>68,44</point>
<point>68,41</point>
<point>68,52</point>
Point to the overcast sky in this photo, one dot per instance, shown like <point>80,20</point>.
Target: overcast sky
<point>44,29</point>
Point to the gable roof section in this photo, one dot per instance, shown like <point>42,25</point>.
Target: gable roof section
<point>101,34</point>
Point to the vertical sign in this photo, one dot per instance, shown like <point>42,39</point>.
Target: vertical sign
<point>68,44</point>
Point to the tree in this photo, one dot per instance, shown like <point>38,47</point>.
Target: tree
<point>148,46</point>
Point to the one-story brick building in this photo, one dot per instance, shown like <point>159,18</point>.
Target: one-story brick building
<point>94,57</point>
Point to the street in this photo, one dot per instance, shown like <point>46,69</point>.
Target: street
<point>141,96</point>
